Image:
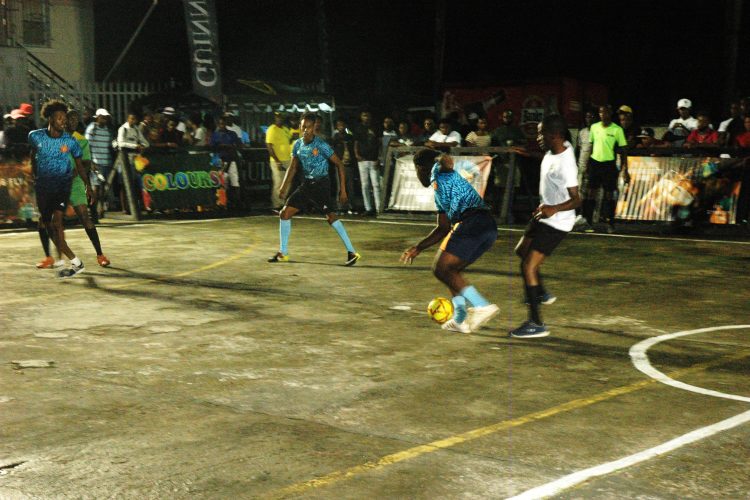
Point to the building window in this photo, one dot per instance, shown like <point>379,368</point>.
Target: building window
<point>36,23</point>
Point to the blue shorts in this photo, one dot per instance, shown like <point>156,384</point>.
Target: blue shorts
<point>471,237</point>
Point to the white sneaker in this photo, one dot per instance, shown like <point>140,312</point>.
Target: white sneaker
<point>58,263</point>
<point>478,316</point>
<point>453,326</point>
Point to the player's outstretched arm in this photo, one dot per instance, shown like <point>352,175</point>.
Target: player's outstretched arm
<point>439,232</point>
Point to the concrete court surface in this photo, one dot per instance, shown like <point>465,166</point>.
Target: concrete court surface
<point>194,369</point>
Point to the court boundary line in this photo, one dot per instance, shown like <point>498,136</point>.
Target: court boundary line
<point>419,450</point>
<point>639,357</point>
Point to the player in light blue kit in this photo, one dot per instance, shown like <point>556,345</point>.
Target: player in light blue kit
<point>311,153</point>
<point>467,230</point>
<point>51,149</point>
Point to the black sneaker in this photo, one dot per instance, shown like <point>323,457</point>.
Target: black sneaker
<point>352,258</point>
<point>71,271</point>
<point>279,257</point>
<point>529,329</point>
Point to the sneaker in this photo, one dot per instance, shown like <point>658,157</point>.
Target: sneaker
<point>103,260</point>
<point>279,257</point>
<point>545,299</point>
<point>529,329</point>
<point>352,258</point>
<point>478,316</point>
<point>588,228</point>
<point>45,263</point>
<point>58,263</point>
<point>71,271</point>
<point>453,326</point>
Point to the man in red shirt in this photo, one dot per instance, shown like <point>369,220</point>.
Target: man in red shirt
<point>743,138</point>
<point>703,135</point>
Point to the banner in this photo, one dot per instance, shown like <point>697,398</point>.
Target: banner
<point>17,198</point>
<point>408,193</point>
<point>180,180</point>
<point>203,39</point>
<point>669,188</point>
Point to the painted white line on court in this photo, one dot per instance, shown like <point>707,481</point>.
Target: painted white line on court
<point>116,226</point>
<point>556,487</point>
<point>642,363</point>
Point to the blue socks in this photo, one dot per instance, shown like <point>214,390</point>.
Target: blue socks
<point>339,227</point>
<point>459,308</point>
<point>285,229</point>
<point>473,296</point>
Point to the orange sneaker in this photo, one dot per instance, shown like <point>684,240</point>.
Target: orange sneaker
<point>103,261</point>
<point>45,263</point>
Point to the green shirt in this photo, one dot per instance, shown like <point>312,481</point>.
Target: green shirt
<point>85,148</point>
<point>604,140</point>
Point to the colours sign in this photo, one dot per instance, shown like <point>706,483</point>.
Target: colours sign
<point>180,180</point>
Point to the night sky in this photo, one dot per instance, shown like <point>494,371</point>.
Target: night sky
<point>648,53</point>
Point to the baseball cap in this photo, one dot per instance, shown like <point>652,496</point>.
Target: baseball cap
<point>101,112</point>
<point>169,110</point>
<point>646,132</point>
<point>625,109</point>
<point>684,103</point>
<point>26,108</point>
<point>473,116</point>
<point>16,114</point>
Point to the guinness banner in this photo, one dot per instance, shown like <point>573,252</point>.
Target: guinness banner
<point>203,38</point>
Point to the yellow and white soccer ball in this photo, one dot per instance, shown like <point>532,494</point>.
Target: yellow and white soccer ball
<point>440,310</point>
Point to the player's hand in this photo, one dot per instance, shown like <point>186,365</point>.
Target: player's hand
<point>543,212</point>
<point>343,197</point>
<point>409,255</point>
<point>90,196</point>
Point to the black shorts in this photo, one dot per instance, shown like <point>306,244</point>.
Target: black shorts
<point>544,238</point>
<point>312,194</point>
<point>49,201</point>
<point>602,174</point>
<point>471,237</point>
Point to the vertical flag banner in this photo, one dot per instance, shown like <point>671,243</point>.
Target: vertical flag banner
<point>203,39</point>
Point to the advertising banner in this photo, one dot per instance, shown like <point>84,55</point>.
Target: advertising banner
<point>203,38</point>
<point>408,193</point>
<point>669,188</point>
<point>180,180</point>
<point>17,199</point>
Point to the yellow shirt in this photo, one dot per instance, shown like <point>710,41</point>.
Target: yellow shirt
<point>605,139</point>
<point>281,140</point>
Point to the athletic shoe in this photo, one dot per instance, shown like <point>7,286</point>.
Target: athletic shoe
<point>352,258</point>
<point>478,316</point>
<point>529,329</point>
<point>58,263</point>
<point>452,326</point>
<point>103,260</point>
<point>71,271</point>
<point>545,299</point>
<point>45,263</point>
<point>279,257</point>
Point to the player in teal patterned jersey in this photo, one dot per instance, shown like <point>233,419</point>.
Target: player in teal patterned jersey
<point>51,149</point>
<point>466,229</point>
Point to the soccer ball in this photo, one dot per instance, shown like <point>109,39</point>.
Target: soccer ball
<point>440,310</point>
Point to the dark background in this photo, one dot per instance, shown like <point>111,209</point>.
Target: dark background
<point>648,53</point>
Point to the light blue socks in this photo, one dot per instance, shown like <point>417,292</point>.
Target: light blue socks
<point>459,308</point>
<point>341,230</point>
<point>473,296</point>
<point>285,229</point>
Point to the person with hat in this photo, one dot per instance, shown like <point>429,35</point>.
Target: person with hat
<point>100,138</point>
<point>170,114</point>
<point>279,146</point>
<point>629,127</point>
<point>230,121</point>
<point>647,139</point>
<point>680,128</point>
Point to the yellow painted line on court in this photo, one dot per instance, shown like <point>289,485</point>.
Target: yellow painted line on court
<point>341,475</point>
<point>207,267</point>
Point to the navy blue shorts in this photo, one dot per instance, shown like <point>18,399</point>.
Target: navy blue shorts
<point>471,237</point>
<point>544,238</point>
<point>313,194</point>
<point>49,201</point>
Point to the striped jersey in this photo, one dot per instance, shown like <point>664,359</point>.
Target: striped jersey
<point>100,140</point>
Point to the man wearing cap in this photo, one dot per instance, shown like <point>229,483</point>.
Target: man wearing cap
<point>279,145</point>
<point>170,113</point>
<point>229,119</point>
<point>100,138</point>
<point>680,128</point>
<point>629,127</point>
<point>17,135</point>
<point>648,139</point>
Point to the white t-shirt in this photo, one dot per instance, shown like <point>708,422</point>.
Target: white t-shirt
<point>452,136</point>
<point>558,173</point>
<point>690,123</point>
<point>723,126</point>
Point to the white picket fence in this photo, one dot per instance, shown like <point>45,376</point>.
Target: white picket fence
<point>115,97</point>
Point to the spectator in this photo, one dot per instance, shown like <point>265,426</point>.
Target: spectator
<point>170,113</point>
<point>702,135</point>
<point>628,125</point>
<point>225,143</point>
<point>87,116</point>
<point>736,127</point>
<point>480,137</point>
<point>172,137</point>
<point>7,123</point>
<point>27,110</point>
<point>648,139</point>
<point>680,128</point>
<point>507,133</point>
<point>17,134</point>
<point>389,135</point>
<point>318,128</point>
<point>367,149</point>
<point>230,120</point>
<point>444,138</point>
<point>404,137</point>
<point>100,138</point>
<point>342,142</point>
<point>131,141</point>
<point>743,138</point>
<point>294,127</point>
<point>583,147</point>
<point>279,146</point>
<point>734,112</point>
<point>428,129</point>
<point>606,137</point>
<point>196,135</point>
<point>147,123</point>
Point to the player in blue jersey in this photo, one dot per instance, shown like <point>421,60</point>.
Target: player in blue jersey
<point>51,149</point>
<point>466,229</point>
<point>311,154</point>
